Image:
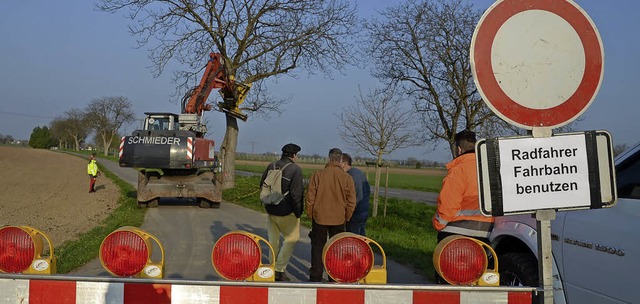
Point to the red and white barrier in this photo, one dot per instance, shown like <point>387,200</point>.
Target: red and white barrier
<point>61,291</point>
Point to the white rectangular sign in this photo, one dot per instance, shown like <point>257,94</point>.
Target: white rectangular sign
<point>542,173</point>
<point>523,174</point>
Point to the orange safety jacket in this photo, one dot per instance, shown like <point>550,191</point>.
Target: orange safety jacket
<point>458,200</point>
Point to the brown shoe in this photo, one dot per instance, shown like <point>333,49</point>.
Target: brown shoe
<point>282,277</point>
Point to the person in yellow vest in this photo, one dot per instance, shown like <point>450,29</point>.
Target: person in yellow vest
<point>92,170</point>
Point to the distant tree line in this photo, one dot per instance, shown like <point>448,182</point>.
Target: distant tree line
<point>41,138</point>
<point>6,139</point>
<point>102,117</point>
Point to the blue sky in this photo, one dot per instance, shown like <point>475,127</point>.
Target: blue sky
<point>58,55</point>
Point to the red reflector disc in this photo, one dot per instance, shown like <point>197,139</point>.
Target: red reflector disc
<point>17,250</point>
<point>236,256</point>
<point>462,261</point>
<point>348,259</point>
<point>124,253</point>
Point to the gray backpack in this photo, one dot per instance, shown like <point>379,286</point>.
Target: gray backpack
<point>271,192</point>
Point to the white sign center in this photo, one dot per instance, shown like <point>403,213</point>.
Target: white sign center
<point>543,173</point>
<point>539,66</point>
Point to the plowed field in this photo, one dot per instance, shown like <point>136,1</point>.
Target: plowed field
<point>48,190</point>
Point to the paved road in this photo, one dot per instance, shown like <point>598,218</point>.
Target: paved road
<point>188,234</point>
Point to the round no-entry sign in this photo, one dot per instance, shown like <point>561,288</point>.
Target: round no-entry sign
<point>537,63</point>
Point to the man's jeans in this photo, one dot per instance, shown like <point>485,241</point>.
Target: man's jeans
<point>357,227</point>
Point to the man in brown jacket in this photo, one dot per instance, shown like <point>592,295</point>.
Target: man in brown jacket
<point>330,201</point>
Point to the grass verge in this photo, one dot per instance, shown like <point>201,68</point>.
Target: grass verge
<point>405,234</point>
<point>73,254</point>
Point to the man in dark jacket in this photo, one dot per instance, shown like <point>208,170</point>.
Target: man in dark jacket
<point>358,220</point>
<point>284,218</point>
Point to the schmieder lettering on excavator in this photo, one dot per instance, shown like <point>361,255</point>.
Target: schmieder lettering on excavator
<point>154,140</point>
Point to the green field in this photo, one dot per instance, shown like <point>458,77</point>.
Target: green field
<point>422,182</point>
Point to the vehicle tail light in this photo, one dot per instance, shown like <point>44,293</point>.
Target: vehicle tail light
<point>461,260</point>
<point>127,252</point>
<point>349,258</point>
<point>237,256</point>
<point>21,249</point>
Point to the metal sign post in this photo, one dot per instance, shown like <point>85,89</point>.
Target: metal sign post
<point>545,267</point>
<point>543,227</point>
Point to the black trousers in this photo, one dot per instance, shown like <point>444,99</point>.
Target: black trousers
<point>318,236</point>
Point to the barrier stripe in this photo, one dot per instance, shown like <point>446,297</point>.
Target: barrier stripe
<point>240,294</point>
<point>93,292</point>
<point>80,292</point>
<point>292,295</point>
<point>185,294</point>
<point>520,298</point>
<point>147,293</point>
<point>41,292</point>
<point>339,296</point>
<point>388,296</point>
<point>189,148</point>
<point>440,297</point>
<point>121,147</point>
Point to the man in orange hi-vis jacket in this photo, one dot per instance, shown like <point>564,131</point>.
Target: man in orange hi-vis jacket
<point>458,210</point>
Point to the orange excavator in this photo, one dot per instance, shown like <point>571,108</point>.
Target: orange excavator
<point>232,92</point>
<point>170,152</point>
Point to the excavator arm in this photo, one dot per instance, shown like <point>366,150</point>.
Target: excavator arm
<point>215,77</point>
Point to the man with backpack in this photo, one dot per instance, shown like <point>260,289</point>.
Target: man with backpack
<point>282,194</point>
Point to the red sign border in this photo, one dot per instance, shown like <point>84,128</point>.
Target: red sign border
<point>503,104</point>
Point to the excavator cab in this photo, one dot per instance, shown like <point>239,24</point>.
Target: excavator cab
<point>160,121</point>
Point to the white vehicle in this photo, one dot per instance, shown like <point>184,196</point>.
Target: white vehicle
<point>596,253</point>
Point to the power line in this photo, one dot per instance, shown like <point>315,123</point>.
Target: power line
<point>26,115</point>
<point>253,144</point>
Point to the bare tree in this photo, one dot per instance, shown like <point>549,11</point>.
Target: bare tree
<point>57,131</point>
<point>72,125</point>
<point>423,46</point>
<point>378,125</point>
<point>258,39</point>
<point>106,115</point>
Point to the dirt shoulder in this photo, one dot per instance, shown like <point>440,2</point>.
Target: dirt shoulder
<point>48,191</point>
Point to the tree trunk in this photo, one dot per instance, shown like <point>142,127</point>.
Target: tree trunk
<point>106,143</point>
<point>453,148</point>
<point>376,187</point>
<point>77,142</point>
<point>228,152</point>
<point>386,189</point>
